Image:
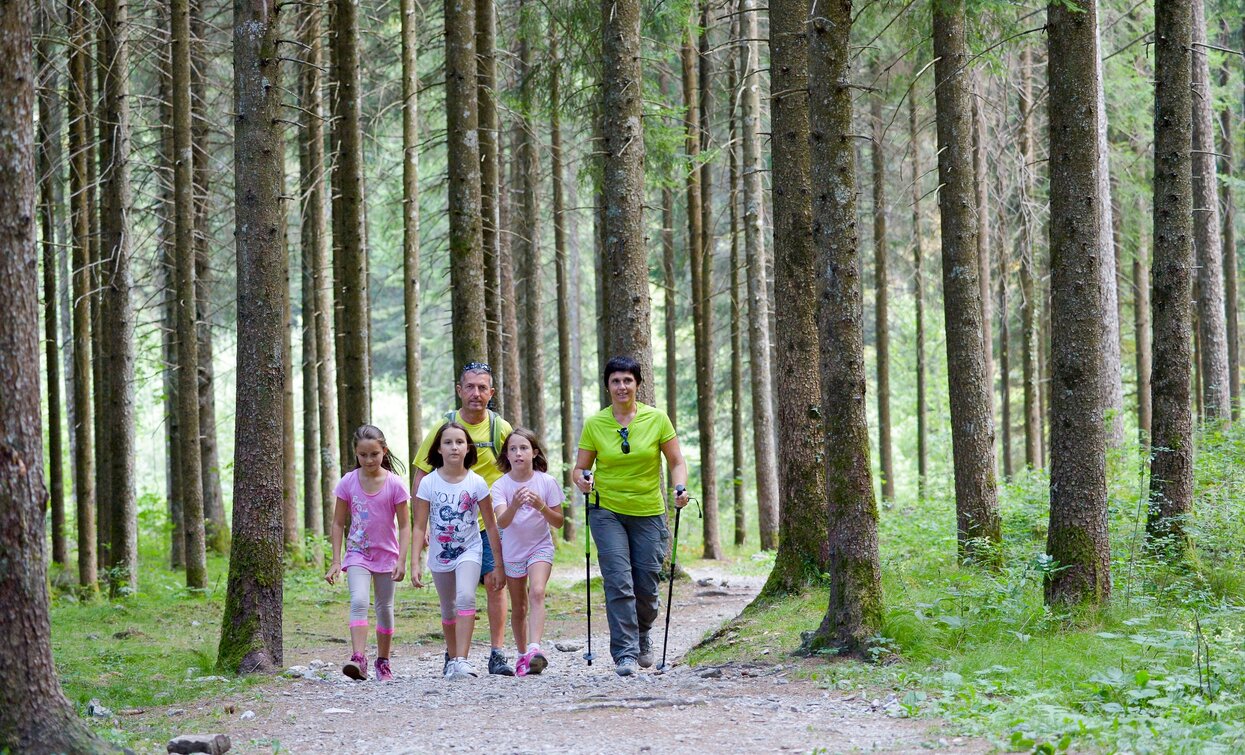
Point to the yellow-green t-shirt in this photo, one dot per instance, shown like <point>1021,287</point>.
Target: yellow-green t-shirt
<point>629,483</point>
<point>486,455</point>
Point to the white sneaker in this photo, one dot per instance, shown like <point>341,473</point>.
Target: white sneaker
<point>465,669</point>
<point>451,667</point>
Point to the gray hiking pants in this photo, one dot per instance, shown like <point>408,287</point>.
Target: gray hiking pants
<point>630,550</point>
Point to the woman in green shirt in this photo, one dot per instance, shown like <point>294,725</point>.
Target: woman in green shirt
<point>625,441</point>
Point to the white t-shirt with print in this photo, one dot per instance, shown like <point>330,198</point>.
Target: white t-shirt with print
<point>452,509</point>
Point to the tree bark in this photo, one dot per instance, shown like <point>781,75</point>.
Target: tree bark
<point>289,451</point>
<point>527,252</point>
<point>410,219</point>
<point>854,613</point>
<point>1207,243</point>
<point>1029,291</point>
<point>669,305</point>
<point>35,717</point>
<point>628,329</point>
<point>490,176</point>
<point>354,360</point>
<point>759,348</point>
<point>49,175</point>
<point>80,210</point>
<point>1141,326</point>
<point>802,545</point>
<point>191,476</point>
<point>1171,471</point>
<point>972,423</point>
<point>1227,168</point>
<point>1005,355</point>
<point>1077,537</point>
<point>95,202</point>
<point>251,626</point>
<point>313,505</point>
<point>1113,380</point>
<point>982,191</point>
<point>116,311</point>
<point>737,335</point>
<point>881,283</point>
<point>563,270</point>
<point>512,408</point>
<point>918,286</point>
<point>470,340</point>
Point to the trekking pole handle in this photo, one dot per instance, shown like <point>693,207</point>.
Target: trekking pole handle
<point>678,489</point>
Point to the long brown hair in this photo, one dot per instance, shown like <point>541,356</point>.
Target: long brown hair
<point>372,432</point>
<point>436,460</point>
<point>539,462</point>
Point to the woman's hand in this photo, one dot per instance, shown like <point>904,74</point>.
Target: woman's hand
<point>680,497</point>
<point>335,568</point>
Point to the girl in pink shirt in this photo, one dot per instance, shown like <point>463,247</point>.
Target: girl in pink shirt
<point>371,497</point>
<point>528,502</point>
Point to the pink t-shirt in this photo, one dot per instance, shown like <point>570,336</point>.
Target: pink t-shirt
<point>373,538</point>
<point>529,530</point>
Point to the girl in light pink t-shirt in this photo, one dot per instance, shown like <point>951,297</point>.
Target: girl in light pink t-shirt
<point>528,502</point>
<point>376,501</point>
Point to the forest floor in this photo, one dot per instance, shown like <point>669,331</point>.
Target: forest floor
<point>571,707</point>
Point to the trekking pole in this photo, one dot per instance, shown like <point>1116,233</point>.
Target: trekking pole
<point>674,569</point>
<point>588,656</point>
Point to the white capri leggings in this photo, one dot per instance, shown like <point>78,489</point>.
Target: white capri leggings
<point>457,591</point>
<point>360,578</point>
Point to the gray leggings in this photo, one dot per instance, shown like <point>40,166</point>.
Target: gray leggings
<point>457,590</point>
<point>359,577</point>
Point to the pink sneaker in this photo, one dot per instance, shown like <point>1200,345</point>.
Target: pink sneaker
<point>383,672</point>
<point>523,664</point>
<point>356,667</point>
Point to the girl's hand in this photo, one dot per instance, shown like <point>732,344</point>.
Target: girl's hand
<point>399,572</point>
<point>417,576</point>
<point>335,568</point>
<point>496,579</point>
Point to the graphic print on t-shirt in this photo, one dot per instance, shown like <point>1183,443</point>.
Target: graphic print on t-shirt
<point>358,540</point>
<point>456,523</point>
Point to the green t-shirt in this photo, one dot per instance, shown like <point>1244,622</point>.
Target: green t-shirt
<point>486,455</point>
<point>629,483</point>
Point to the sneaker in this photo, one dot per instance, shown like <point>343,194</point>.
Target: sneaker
<point>465,669</point>
<point>646,651</point>
<point>445,668</point>
<point>356,667</point>
<point>522,664</point>
<point>536,662</point>
<point>497,664</point>
<point>383,672</point>
<point>625,667</point>
<point>451,666</point>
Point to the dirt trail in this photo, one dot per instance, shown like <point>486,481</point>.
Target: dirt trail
<point>574,708</point>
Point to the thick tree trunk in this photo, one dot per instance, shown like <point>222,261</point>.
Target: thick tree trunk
<point>802,547</point>
<point>1077,538</point>
<point>1171,471</point>
<point>759,349</point>
<point>1228,169</point>
<point>563,271</point>
<point>349,240</point>
<point>49,175</point>
<point>1141,331</point>
<point>466,240</point>
<point>116,311</point>
<point>1029,291</point>
<point>527,252</point>
<point>1207,243</point>
<point>490,177</point>
<point>251,626</point>
<point>83,373</point>
<point>35,717</point>
<point>410,219</point>
<point>881,288</point>
<point>625,259</point>
<point>191,477</point>
<point>918,286</point>
<point>972,423</point>
<point>854,614</point>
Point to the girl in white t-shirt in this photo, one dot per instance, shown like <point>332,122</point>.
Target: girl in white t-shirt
<point>528,502</point>
<point>449,498</point>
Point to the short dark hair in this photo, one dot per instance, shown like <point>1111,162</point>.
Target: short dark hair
<point>475,367</point>
<point>621,364</point>
<point>436,461</point>
<point>539,462</point>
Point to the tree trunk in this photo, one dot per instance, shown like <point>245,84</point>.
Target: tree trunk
<point>116,310</point>
<point>289,451</point>
<point>94,146</point>
<point>354,360</point>
<point>490,176</point>
<point>802,546</point>
<point>981,190</point>
<point>1005,367</point>
<point>669,306</point>
<point>1171,471</point>
<point>1077,538</point>
<point>513,400</point>
<point>759,350</point>
<point>470,339</point>
<point>80,209</point>
<point>313,505</point>
<point>530,286</point>
<point>598,247</point>
<point>918,286</point>
<point>1141,325</point>
<point>250,638</point>
<point>1029,291</point>
<point>1227,169</point>
<point>854,613</point>
<point>49,174</point>
<point>1113,381</point>
<point>737,334</point>
<point>1207,242</point>
<point>35,717</point>
<point>191,477</point>
<point>881,282</point>
<point>972,423</point>
<point>410,218</point>
<point>625,258</point>
<point>563,270</point>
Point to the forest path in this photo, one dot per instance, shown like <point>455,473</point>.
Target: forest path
<point>574,708</point>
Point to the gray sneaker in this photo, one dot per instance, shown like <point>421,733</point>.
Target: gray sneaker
<point>646,651</point>
<point>625,667</point>
<point>497,664</point>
